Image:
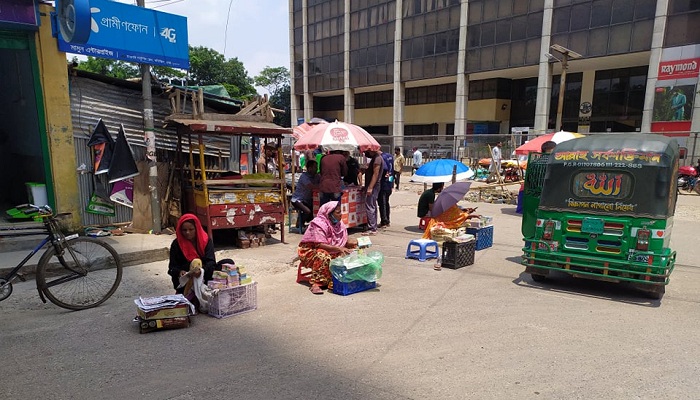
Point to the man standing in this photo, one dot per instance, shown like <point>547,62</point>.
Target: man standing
<point>385,186</point>
<point>495,168</point>
<point>375,170</point>
<point>399,162</point>
<point>353,169</point>
<point>417,159</point>
<point>333,168</point>
<point>678,105</point>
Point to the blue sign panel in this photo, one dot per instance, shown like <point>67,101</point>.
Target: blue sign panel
<point>21,12</point>
<point>129,33</point>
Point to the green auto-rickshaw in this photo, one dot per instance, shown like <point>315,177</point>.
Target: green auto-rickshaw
<point>601,207</point>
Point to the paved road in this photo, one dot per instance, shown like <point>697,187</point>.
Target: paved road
<point>482,332</point>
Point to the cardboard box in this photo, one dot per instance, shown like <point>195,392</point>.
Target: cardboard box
<point>180,310</point>
<point>152,325</point>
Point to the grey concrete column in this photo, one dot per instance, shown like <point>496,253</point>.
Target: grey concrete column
<point>462,95</point>
<point>657,42</point>
<point>308,97</point>
<point>348,92</point>
<point>399,87</point>
<point>294,111</point>
<point>544,76</point>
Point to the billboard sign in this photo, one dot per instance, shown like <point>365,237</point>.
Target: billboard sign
<point>674,94</point>
<point>129,33</point>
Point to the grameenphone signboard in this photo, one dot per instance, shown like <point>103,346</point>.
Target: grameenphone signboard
<point>129,33</point>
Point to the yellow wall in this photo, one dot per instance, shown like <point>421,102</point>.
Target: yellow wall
<point>54,83</point>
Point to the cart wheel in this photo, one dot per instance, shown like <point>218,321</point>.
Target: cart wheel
<point>538,278</point>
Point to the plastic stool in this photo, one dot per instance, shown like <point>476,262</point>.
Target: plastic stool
<point>303,273</point>
<point>424,223</point>
<point>426,249</point>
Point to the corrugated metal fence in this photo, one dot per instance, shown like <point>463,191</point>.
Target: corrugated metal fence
<point>121,104</point>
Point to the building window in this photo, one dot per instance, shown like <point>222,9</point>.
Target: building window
<point>421,130</point>
<point>431,94</point>
<point>618,99</point>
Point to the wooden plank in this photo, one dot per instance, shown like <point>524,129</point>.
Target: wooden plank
<point>233,117</point>
<point>218,182</point>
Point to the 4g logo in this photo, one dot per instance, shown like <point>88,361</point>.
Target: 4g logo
<point>168,33</point>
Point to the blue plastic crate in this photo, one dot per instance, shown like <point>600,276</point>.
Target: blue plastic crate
<point>484,236</point>
<point>346,288</point>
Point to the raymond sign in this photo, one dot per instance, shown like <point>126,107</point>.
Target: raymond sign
<point>679,69</point>
<point>129,33</point>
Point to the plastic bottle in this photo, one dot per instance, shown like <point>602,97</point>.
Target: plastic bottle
<point>438,263</point>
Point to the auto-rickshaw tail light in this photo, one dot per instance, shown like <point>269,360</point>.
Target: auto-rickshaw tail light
<point>548,230</point>
<point>643,239</point>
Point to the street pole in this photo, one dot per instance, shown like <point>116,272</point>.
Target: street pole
<point>562,89</point>
<point>150,138</point>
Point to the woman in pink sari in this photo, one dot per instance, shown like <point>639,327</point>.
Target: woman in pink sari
<point>325,239</point>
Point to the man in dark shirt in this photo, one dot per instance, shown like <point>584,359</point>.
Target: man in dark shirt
<point>426,200</point>
<point>375,169</point>
<point>333,168</point>
<point>353,169</point>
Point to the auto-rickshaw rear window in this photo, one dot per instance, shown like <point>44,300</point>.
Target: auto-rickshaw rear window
<point>612,185</point>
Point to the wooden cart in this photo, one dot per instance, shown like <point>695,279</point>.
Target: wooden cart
<point>226,203</point>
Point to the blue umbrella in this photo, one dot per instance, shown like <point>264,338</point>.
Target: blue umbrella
<point>441,171</point>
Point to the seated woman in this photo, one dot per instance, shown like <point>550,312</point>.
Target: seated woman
<point>453,218</point>
<point>191,252</point>
<point>325,239</point>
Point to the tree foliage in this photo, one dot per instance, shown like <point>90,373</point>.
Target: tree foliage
<point>207,67</point>
<point>272,79</point>
<point>277,81</point>
<point>108,67</point>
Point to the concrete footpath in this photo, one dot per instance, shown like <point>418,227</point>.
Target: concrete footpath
<point>485,331</point>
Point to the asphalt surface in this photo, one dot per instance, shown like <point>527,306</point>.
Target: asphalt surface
<point>486,331</point>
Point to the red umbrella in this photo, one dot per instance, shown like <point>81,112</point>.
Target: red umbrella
<point>535,145</point>
<point>302,129</point>
<point>337,136</point>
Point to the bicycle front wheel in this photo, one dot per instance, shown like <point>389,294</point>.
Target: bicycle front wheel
<point>84,276</point>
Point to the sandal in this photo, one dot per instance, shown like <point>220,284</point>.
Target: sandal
<point>315,289</point>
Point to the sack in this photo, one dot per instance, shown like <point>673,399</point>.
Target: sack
<point>358,267</point>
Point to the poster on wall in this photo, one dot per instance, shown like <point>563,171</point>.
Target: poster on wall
<point>675,89</point>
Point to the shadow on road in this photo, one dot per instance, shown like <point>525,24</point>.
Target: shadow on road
<point>563,283</point>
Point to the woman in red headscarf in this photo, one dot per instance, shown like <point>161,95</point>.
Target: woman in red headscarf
<point>192,248</point>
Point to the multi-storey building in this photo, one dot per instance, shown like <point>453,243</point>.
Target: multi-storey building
<point>446,67</point>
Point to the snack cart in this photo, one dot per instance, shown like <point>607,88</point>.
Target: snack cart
<point>352,206</point>
<point>230,202</point>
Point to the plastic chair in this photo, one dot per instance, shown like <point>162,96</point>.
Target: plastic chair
<point>426,249</point>
<point>424,223</point>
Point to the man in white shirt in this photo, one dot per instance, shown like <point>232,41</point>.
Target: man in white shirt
<point>495,168</point>
<point>417,159</point>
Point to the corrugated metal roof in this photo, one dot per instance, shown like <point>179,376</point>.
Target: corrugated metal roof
<point>117,104</point>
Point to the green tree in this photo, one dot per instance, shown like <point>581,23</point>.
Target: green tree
<point>209,67</point>
<point>272,79</point>
<point>108,67</point>
<point>277,81</point>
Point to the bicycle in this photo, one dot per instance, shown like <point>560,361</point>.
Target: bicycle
<point>67,270</point>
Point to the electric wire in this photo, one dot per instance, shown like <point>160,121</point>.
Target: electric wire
<point>228,16</point>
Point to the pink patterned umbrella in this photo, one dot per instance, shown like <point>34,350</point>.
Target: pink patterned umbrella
<point>301,130</point>
<point>337,136</point>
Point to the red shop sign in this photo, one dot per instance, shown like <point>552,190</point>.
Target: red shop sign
<point>679,69</point>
